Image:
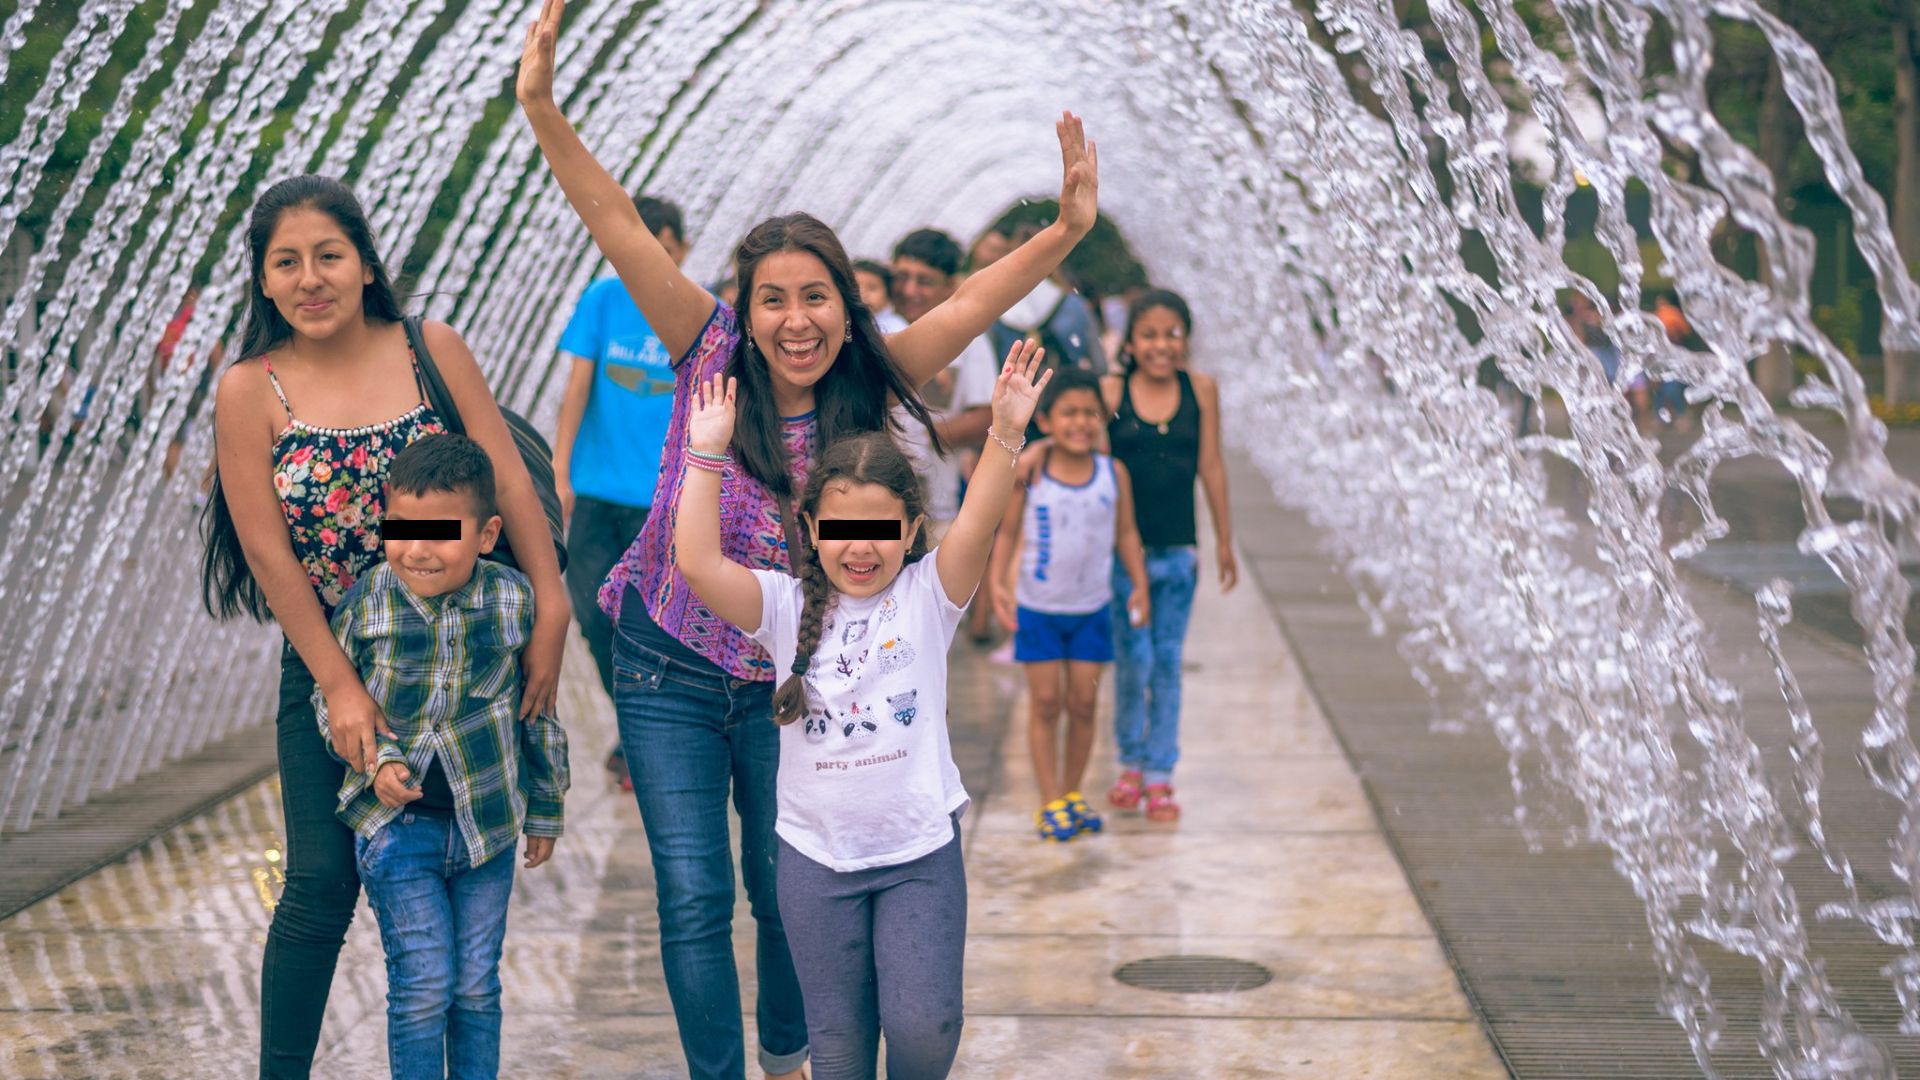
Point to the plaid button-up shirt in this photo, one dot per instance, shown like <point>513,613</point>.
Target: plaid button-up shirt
<point>446,672</point>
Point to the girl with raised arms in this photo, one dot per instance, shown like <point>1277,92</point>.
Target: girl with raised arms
<point>870,873</point>
<point>692,693</point>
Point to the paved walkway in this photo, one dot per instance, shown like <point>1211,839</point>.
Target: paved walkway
<point>148,967</point>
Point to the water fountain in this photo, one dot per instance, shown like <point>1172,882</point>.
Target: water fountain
<point>1246,174</point>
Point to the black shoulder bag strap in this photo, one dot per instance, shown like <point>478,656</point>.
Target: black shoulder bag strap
<point>438,395</point>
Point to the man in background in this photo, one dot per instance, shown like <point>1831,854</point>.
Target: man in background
<point>606,450</point>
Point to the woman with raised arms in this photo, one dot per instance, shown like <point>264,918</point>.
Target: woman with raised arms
<point>693,693</point>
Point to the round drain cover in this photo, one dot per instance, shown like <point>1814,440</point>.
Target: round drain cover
<point>1194,974</point>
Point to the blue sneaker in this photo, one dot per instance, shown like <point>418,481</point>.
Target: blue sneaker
<point>1055,822</point>
<point>1085,818</point>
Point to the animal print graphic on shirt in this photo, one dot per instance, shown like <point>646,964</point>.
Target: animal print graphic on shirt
<point>858,723</point>
<point>817,722</point>
<point>904,707</point>
<point>895,654</point>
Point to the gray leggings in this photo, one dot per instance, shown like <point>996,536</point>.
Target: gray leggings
<point>878,950</point>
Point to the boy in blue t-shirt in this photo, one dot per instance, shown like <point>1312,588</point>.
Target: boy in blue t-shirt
<point>613,422</point>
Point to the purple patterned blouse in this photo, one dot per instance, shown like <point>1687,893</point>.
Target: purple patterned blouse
<point>750,531</point>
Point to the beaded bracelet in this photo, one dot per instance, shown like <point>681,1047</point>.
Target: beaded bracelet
<point>1014,451</point>
<point>717,459</point>
<point>701,461</point>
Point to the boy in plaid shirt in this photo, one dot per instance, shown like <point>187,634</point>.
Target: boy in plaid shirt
<point>436,634</point>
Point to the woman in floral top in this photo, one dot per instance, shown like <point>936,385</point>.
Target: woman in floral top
<point>693,694</point>
<point>325,393</point>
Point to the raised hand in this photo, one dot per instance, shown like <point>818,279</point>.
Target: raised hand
<point>1016,392</point>
<point>1079,176</point>
<point>710,420</point>
<point>534,86</point>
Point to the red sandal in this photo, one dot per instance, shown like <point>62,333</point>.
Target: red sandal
<point>1160,804</point>
<point>1125,793</point>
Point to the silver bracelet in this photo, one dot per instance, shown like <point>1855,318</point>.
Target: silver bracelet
<point>1014,451</point>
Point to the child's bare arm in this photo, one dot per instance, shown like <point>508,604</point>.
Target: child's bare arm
<point>962,556</point>
<point>728,588</point>
<point>1006,554</point>
<point>1126,541</point>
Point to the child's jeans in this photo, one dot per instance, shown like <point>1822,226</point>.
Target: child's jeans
<point>1146,670</point>
<point>441,924</point>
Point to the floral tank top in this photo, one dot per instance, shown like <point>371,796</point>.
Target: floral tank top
<point>331,482</point>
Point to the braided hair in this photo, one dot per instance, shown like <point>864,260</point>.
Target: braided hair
<point>869,458</point>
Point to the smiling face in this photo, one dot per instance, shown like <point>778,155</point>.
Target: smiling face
<point>798,319</point>
<point>438,567</point>
<point>918,288</point>
<point>1158,343</point>
<point>313,273</point>
<point>861,568</point>
<point>1074,420</point>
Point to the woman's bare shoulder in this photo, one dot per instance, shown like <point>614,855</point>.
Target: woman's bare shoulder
<point>244,401</point>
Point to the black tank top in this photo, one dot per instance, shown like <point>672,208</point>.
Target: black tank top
<point>1163,460</point>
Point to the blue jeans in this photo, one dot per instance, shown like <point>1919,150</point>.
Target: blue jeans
<point>442,921</point>
<point>1146,669</point>
<point>691,733</point>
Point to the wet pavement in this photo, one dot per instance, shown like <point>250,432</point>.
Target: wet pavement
<point>149,966</point>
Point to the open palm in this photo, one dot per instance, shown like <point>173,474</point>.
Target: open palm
<point>710,419</point>
<point>1079,175</point>
<point>1016,392</point>
<point>534,83</point>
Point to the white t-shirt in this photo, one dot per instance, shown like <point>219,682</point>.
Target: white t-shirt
<point>974,374</point>
<point>867,776</point>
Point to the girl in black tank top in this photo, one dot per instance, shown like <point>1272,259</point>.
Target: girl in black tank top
<point>1164,458</point>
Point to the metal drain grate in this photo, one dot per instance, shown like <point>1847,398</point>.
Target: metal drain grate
<point>1194,974</point>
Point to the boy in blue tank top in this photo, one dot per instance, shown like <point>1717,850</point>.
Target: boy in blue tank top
<point>1075,514</point>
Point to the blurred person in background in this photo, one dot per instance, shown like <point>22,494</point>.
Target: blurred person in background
<point>606,448</point>
<point>876,291</point>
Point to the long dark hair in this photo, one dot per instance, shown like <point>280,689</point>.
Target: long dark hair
<point>227,585</point>
<point>1147,301</point>
<point>851,396</point>
<point>872,458</point>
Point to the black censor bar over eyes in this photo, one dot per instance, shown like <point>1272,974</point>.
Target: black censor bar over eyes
<point>420,529</point>
<point>860,528</point>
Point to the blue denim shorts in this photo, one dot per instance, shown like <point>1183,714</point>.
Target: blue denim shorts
<point>1040,637</point>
